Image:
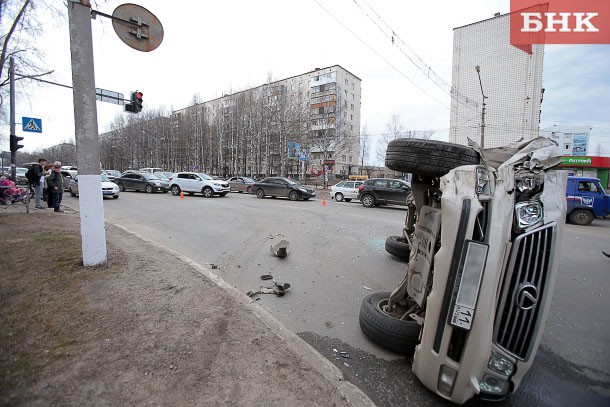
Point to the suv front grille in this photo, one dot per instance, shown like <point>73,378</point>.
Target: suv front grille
<point>524,290</point>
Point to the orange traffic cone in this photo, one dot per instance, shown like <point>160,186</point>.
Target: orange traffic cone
<point>323,201</point>
<point>181,195</point>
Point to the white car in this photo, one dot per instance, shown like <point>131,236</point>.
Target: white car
<point>345,190</point>
<point>197,182</point>
<point>109,189</point>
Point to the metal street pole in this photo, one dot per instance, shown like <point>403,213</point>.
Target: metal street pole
<point>478,69</point>
<point>11,72</point>
<point>85,126</point>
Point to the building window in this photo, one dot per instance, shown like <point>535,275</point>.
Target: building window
<point>346,83</point>
<point>352,107</point>
<point>343,158</point>
<point>291,87</point>
<point>321,110</point>
<point>351,117</point>
<point>345,92</point>
<point>352,96</point>
<point>351,127</point>
<point>353,86</point>
<point>350,158</point>
<point>300,85</point>
<point>567,147</point>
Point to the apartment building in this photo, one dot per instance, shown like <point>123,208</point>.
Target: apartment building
<point>488,69</point>
<point>304,124</point>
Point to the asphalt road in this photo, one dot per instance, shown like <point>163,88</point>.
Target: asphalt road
<point>337,257</point>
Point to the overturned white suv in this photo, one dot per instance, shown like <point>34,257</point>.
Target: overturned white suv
<point>482,228</point>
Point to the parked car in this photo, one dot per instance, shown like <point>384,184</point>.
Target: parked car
<point>241,184</point>
<point>345,190</point>
<point>113,174</point>
<point>163,174</point>
<point>109,188</point>
<point>197,182</point>
<point>280,186</point>
<point>141,181</point>
<point>20,178</point>
<point>383,191</point>
<point>472,306</point>
<point>151,170</point>
<point>68,175</point>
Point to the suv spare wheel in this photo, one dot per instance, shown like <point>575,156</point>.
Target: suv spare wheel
<point>398,246</point>
<point>428,157</point>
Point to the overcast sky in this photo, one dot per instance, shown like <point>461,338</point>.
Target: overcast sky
<point>211,48</point>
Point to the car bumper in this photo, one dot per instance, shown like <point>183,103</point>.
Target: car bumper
<point>454,357</point>
<point>221,190</point>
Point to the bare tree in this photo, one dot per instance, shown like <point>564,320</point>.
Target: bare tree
<point>364,146</point>
<point>395,128</point>
<point>21,27</point>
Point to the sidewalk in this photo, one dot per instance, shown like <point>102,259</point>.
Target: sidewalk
<point>149,327</point>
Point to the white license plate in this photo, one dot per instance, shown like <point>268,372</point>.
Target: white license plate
<point>467,284</point>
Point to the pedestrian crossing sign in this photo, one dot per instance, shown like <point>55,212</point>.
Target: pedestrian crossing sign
<point>31,124</point>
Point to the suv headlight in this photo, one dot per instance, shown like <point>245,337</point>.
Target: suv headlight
<point>493,385</point>
<point>528,214</point>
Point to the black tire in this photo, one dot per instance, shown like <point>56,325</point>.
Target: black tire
<point>260,194</point>
<point>368,200</point>
<point>582,217</point>
<point>148,189</point>
<point>396,246</point>
<point>207,192</point>
<point>115,197</point>
<point>175,190</point>
<point>121,187</point>
<point>293,195</point>
<point>428,157</point>
<point>348,199</point>
<point>338,197</point>
<point>72,193</point>
<point>249,190</point>
<point>390,333</point>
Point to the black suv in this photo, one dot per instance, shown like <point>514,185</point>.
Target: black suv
<point>384,191</point>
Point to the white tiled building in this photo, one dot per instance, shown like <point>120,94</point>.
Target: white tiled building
<point>511,80</point>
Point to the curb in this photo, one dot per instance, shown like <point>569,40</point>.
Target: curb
<point>305,351</point>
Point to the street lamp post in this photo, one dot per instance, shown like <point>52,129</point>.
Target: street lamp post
<point>478,68</point>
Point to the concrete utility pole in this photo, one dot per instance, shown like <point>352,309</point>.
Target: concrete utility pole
<point>11,72</point>
<point>87,142</point>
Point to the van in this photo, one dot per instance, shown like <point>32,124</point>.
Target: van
<point>586,200</point>
<point>150,170</point>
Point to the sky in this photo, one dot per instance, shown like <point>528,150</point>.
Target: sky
<point>215,48</point>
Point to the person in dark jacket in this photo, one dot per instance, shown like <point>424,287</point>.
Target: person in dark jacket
<point>56,185</point>
<point>38,183</point>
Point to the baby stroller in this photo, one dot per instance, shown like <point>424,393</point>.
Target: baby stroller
<point>10,194</point>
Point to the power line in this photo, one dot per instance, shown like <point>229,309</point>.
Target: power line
<point>417,61</point>
<point>381,56</point>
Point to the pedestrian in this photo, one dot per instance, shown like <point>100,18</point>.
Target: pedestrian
<point>39,179</point>
<point>56,185</point>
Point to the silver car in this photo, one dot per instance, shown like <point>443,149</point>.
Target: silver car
<point>109,189</point>
<point>345,190</point>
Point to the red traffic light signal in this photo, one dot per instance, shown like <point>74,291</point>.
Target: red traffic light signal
<point>136,102</point>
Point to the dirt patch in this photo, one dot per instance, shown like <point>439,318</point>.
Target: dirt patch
<point>145,328</point>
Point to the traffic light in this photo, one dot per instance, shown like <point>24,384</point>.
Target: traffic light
<point>137,100</point>
<point>15,143</point>
<point>135,105</point>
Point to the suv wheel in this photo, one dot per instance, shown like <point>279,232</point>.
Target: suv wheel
<point>368,200</point>
<point>397,246</point>
<point>394,334</point>
<point>338,197</point>
<point>207,192</point>
<point>428,157</point>
<point>121,187</point>
<point>260,194</point>
<point>175,190</point>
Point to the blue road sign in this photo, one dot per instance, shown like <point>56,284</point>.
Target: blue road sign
<point>31,124</point>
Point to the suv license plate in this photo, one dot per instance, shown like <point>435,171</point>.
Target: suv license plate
<point>467,284</point>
